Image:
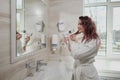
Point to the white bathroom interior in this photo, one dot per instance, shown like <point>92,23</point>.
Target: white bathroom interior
<point>45,23</point>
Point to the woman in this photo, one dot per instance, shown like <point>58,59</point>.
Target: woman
<point>85,49</point>
<point>21,49</point>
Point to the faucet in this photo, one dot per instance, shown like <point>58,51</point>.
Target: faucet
<point>31,66</point>
<point>39,64</point>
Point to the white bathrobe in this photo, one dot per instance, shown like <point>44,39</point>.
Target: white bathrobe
<point>19,47</point>
<point>84,54</point>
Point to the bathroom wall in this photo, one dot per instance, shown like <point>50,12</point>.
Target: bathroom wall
<point>15,71</point>
<point>67,11</point>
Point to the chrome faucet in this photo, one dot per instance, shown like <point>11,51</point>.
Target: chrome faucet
<point>31,66</point>
<point>39,64</point>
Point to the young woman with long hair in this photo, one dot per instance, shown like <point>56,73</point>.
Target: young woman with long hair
<point>84,52</point>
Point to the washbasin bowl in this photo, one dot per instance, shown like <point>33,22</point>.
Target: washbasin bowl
<point>55,70</point>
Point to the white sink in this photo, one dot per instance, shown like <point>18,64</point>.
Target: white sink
<point>55,70</point>
<point>37,76</point>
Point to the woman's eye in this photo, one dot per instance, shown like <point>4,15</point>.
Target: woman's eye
<point>79,23</point>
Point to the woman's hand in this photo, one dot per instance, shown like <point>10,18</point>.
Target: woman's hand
<point>73,37</point>
<point>27,39</point>
<point>66,40</point>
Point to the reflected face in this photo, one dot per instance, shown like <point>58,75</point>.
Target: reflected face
<point>18,36</point>
<point>80,26</point>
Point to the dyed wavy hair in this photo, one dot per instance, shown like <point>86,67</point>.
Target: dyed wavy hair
<point>89,28</point>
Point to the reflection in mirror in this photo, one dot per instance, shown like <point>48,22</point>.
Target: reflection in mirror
<point>29,26</point>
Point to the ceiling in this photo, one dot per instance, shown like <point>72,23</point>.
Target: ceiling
<point>72,6</point>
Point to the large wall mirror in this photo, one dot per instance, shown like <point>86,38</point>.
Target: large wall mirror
<point>28,27</point>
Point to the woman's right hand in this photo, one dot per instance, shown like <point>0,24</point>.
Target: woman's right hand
<point>66,40</point>
<point>27,39</point>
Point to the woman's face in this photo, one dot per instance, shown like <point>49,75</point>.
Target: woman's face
<point>18,36</point>
<point>80,26</point>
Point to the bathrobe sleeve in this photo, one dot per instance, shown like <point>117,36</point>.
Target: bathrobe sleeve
<point>19,47</point>
<point>83,50</point>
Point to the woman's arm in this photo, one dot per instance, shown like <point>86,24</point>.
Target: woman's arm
<point>80,51</point>
<point>27,39</point>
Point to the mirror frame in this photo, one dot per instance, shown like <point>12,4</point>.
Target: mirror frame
<point>13,57</point>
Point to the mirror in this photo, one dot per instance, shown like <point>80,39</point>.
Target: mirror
<point>28,25</point>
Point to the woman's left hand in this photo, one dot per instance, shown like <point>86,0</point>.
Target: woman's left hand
<point>73,37</point>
